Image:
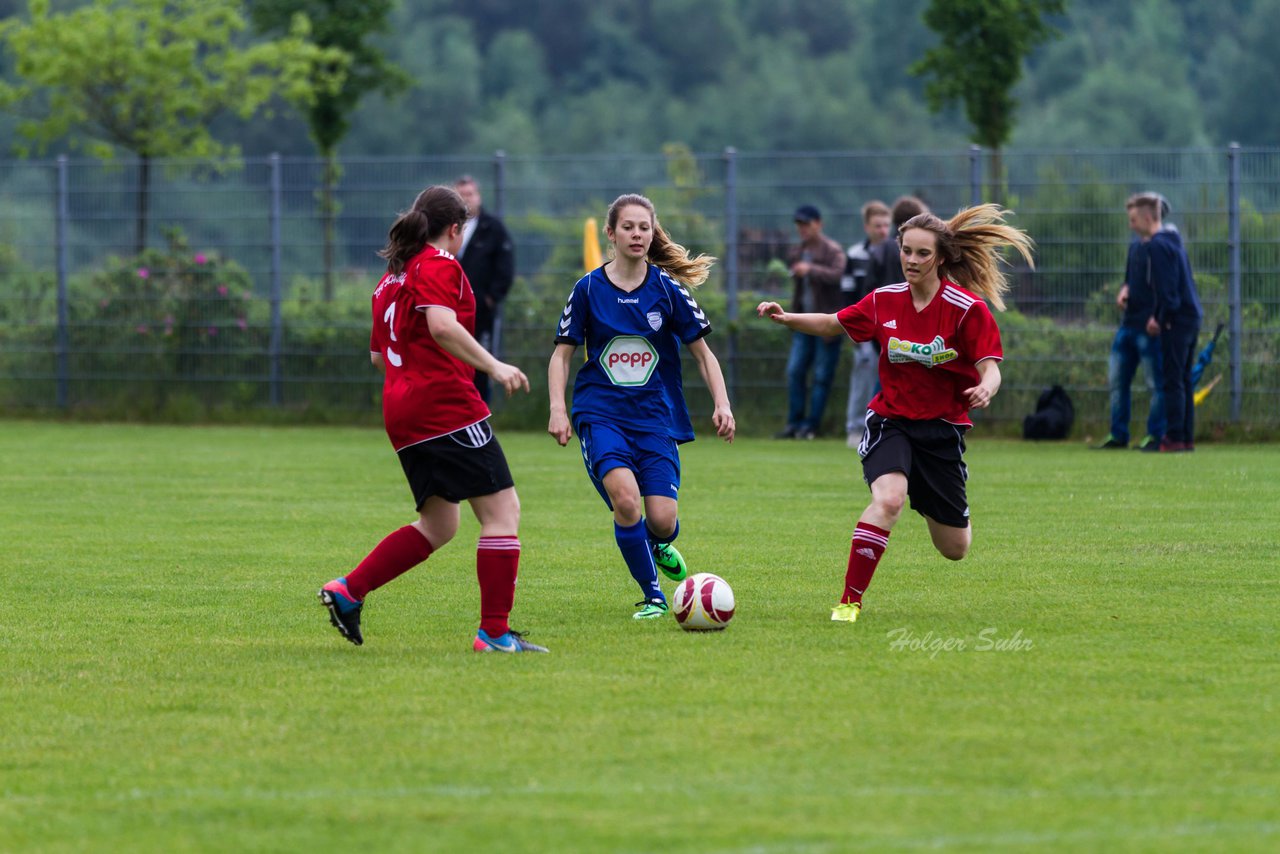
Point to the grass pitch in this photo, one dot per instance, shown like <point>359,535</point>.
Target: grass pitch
<point>1099,674</point>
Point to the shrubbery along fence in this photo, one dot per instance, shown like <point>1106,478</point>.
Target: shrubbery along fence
<point>223,315</point>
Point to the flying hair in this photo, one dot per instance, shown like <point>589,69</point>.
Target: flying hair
<point>663,251</point>
<point>435,210</point>
<point>969,247</point>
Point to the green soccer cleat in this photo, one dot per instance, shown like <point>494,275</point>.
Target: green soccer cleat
<point>846,612</point>
<point>650,609</point>
<point>670,561</point>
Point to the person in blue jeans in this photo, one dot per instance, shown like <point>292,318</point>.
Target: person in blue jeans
<point>816,264</point>
<point>1134,343</point>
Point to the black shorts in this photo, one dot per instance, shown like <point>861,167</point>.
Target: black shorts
<point>930,454</point>
<point>461,465</point>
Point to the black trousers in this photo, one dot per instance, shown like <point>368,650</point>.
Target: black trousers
<point>1178,345</point>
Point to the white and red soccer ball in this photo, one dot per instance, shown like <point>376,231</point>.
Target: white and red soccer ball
<point>703,602</point>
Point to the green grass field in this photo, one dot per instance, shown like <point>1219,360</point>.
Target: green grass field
<point>170,682</point>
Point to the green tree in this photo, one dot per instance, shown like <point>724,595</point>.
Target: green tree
<point>345,26</point>
<point>979,58</point>
<point>148,76</point>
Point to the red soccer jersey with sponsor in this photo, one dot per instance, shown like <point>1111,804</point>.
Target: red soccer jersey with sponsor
<point>427,391</point>
<point>927,357</point>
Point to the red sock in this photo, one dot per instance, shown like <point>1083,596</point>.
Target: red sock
<point>869,543</point>
<point>497,563</point>
<point>399,552</point>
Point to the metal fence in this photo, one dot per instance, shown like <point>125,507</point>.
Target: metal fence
<point>228,312</point>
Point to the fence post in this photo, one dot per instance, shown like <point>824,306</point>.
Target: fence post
<point>277,331</point>
<point>975,175</point>
<point>499,183</point>
<point>1234,292</point>
<point>63,339</point>
<point>731,264</point>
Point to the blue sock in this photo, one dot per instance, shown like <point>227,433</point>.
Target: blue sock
<point>663,541</point>
<point>633,542</point>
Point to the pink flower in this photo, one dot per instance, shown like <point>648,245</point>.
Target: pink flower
<point>142,329</point>
<point>213,330</point>
<point>143,273</point>
<point>222,290</point>
<point>168,320</point>
<point>242,323</point>
<point>200,259</point>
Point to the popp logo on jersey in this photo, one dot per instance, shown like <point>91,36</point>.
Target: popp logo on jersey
<point>629,360</point>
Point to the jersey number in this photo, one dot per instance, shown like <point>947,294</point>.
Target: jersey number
<point>390,317</point>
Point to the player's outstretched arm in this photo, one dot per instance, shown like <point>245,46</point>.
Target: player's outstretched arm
<point>458,342</point>
<point>824,325</point>
<point>557,378</point>
<point>709,367</point>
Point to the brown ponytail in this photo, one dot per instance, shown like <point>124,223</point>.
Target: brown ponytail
<point>663,251</point>
<point>434,211</point>
<point>969,246</point>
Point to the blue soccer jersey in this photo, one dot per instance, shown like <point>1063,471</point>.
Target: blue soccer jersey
<point>631,377</point>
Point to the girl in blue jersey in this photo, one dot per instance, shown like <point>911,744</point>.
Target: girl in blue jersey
<point>633,314</point>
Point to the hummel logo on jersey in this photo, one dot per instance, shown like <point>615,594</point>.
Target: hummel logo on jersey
<point>626,301</point>
<point>930,355</point>
<point>890,324</point>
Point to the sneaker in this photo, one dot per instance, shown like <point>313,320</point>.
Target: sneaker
<point>806,435</point>
<point>1111,443</point>
<point>846,612</point>
<point>1168,446</point>
<point>512,641</point>
<point>650,609</point>
<point>344,609</point>
<point>670,561</point>
<point>1149,444</point>
<point>787,433</point>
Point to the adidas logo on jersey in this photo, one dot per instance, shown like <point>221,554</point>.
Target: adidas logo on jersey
<point>867,553</point>
<point>891,324</point>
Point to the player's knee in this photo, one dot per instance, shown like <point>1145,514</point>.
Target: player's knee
<point>954,551</point>
<point>891,504</point>
<point>627,508</point>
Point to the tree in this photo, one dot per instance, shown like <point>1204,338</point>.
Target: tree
<point>148,76</point>
<point>339,25</point>
<point>978,61</point>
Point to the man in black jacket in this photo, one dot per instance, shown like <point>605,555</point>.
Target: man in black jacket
<point>488,259</point>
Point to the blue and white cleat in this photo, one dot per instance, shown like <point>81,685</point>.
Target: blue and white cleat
<point>512,641</point>
<point>344,609</point>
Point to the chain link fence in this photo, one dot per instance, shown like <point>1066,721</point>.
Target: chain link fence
<point>228,310</point>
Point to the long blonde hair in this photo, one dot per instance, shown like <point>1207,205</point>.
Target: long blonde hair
<point>663,251</point>
<point>969,246</point>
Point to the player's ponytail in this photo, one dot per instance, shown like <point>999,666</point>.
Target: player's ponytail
<point>969,246</point>
<point>433,212</point>
<point>664,252</point>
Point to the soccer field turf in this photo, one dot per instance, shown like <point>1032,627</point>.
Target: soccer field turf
<point>171,683</point>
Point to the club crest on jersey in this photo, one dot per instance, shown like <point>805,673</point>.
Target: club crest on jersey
<point>655,320</point>
<point>629,360</point>
<point>935,353</point>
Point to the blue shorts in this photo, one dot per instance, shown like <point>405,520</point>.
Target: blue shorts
<point>653,457</point>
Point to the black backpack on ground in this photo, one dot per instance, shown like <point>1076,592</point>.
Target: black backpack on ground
<point>1053,417</point>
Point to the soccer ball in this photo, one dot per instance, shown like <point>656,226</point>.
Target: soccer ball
<point>703,602</point>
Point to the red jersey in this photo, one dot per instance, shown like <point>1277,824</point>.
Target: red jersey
<point>427,391</point>
<point>927,357</point>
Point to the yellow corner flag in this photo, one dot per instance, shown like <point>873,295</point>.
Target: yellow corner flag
<point>1204,392</point>
<point>590,246</point>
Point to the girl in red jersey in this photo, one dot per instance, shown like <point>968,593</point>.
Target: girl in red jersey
<point>939,358</point>
<point>423,341</point>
